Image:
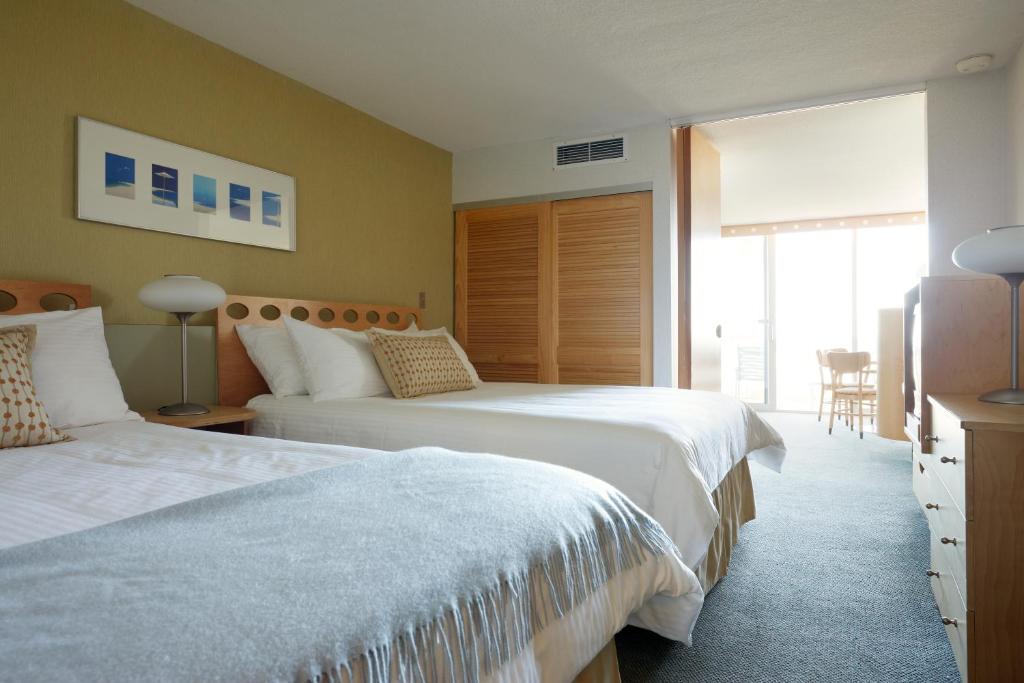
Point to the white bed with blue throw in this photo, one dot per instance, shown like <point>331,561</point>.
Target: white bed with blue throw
<point>154,553</point>
<point>138,551</point>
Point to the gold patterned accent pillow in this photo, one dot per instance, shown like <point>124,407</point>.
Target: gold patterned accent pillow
<point>414,366</point>
<point>23,419</point>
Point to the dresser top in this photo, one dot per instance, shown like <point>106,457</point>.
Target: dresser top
<point>975,414</point>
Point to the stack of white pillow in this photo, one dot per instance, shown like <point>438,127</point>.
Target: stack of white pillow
<point>325,363</point>
<point>71,369</point>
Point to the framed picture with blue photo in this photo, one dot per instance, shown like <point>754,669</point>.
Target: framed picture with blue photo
<point>130,179</point>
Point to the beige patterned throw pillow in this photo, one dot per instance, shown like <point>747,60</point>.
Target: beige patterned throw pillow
<point>23,420</point>
<point>414,366</point>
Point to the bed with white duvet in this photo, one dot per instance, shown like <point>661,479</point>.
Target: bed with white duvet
<point>120,471</point>
<point>131,550</point>
<point>666,449</point>
<point>681,456</point>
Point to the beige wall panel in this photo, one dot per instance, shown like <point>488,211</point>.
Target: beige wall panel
<point>373,203</point>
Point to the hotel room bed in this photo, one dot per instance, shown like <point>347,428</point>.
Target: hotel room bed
<point>681,456</point>
<point>119,471</point>
<point>142,551</point>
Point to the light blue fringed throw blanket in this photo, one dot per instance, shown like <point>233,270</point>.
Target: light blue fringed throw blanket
<point>423,565</point>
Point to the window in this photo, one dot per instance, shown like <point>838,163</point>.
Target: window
<point>812,290</point>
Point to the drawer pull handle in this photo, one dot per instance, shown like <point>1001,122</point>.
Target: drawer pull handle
<point>920,467</point>
<point>947,541</point>
<point>932,572</point>
<point>946,621</point>
<point>931,506</point>
<point>945,459</point>
<point>931,437</point>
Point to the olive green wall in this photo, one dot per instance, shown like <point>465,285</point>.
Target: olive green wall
<point>373,203</point>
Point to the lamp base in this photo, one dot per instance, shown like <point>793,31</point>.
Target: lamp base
<point>183,409</point>
<point>1010,396</point>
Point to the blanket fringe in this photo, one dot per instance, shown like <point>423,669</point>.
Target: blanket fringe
<point>481,633</point>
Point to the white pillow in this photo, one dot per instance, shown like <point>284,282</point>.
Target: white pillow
<point>71,368</point>
<point>336,363</point>
<point>271,351</point>
<point>459,351</point>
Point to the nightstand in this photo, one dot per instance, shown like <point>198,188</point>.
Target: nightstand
<point>220,419</point>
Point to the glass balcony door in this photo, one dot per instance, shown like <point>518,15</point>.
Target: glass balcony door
<point>795,292</point>
<point>745,326</point>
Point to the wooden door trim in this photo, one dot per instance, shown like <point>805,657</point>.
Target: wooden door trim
<point>461,274</point>
<point>647,289</point>
<point>681,142</point>
<point>547,301</point>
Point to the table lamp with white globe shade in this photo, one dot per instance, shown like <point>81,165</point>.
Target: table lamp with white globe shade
<point>184,296</point>
<point>1000,251</point>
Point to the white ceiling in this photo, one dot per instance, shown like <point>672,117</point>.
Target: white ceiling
<point>845,160</point>
<point>464,74</point>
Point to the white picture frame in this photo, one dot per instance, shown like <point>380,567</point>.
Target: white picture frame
<point>130,179</point>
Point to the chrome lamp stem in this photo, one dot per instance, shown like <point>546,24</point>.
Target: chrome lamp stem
<point>184,408</point>
<point>1014,395</point>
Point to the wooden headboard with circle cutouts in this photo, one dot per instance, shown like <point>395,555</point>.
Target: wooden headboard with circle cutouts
<point>30,296</point>
<point>238,380</point>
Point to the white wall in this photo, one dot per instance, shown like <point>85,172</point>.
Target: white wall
<point>867,157</point>
<point>1015,177</point>
<point>967,162</point>
<point>525,170</point>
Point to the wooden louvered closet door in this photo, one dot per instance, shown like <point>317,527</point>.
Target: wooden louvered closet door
<point>503,291</point>
<point>557,292</point>
<point>603,289</point>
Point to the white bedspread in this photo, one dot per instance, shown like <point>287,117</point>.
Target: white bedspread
<point>117,470</point>
<point>666,449</point>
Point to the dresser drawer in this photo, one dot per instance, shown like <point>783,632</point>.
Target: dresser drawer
<point>947,523</point>
<point>948,458</point>
<point>921,478</point>
<point>951,607</point>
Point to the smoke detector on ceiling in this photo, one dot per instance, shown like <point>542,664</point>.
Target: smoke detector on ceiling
<point>974,64</point>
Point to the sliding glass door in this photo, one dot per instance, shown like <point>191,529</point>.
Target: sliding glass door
<point>745,330</point>
<point>797,292</point>
<point>813,304</point>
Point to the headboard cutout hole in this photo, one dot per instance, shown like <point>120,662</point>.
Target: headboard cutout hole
<point>300,313</point>
<point>7,301</point>
<point>393,317</point>
<point>57,301</point>
<point>412,319</point>
<point>237,311</point>
<point>373,317</point>
<point>270,312</point>
<point>350,316</point>
<point>326,315</point>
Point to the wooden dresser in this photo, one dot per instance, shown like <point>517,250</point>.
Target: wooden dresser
<point>971,488</point>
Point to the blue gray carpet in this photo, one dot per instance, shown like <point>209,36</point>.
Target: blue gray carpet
<point>827,584</point>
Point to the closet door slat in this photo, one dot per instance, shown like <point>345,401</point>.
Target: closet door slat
<point>503,291</point>
<point>603,289</point>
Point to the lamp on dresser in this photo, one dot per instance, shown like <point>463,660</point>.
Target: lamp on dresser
<point>1000,251</point>
<point>184,296</point>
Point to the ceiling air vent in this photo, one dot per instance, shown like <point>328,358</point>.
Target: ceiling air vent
<point>592,151</point>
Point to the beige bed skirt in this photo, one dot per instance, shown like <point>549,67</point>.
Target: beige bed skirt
<point>604,668</point>
<point>734,499</point>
